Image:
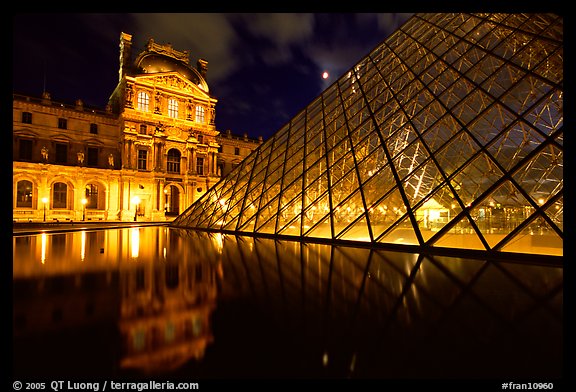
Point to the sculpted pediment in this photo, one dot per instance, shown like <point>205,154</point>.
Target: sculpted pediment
<point>172,80</point>
<point>175,132</point>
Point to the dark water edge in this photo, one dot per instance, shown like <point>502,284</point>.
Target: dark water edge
<point>246,309</point>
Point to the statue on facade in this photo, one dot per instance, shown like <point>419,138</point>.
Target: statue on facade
<point>80,156</point>
<point>157,103</point>
<point>111,160</point>
<point>129,96</point>
<point>44,153</point>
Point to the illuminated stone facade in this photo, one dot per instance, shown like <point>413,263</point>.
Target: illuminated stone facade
<point>152,152</point>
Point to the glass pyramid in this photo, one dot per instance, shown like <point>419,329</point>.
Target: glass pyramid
<point>449,134</point>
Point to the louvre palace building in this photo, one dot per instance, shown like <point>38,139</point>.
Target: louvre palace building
<point>148,155</point>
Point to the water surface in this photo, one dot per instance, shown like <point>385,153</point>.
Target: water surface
<point>161,302</point>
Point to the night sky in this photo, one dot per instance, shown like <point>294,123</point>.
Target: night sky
<point>262,68</point>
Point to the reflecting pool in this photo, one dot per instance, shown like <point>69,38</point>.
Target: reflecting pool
<point>166,302</point>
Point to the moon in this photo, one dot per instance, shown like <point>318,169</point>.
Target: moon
<point>325,75</point>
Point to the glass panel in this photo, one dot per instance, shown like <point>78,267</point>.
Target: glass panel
<point>501,212</point>
<point>322,229</point>
<point>475,178</point>
<point>347,212</point>
<point>462,236</point>
<point>456,152</point>
<point>555,213</point>
<point>537,238</point>
<point>358,231</point>
<point>402,233</point>
<point>436,212</point>
<point>542,176</point>
<point>490,123</point>
<point>548,115</point>
<point>384,213</point>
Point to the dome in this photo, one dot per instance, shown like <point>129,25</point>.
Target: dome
<point>152,62</point>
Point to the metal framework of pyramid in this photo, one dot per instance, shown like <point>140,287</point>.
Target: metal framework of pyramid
<point>449,134</point>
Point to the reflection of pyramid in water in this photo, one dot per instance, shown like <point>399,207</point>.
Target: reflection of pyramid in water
<point>448,134</point>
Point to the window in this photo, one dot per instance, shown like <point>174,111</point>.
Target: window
<point>25,149</point>
<point>94,128</point>
<point>61,153</point>
<point>236,150</point>
<point>59,191</point>
<point>24,194</point>
<point>62,123</point>
<point>143,101</point>
<point>173,161</point>
<point>143,129</point>
<point>92,196</point>
<point>200,138</point>
<point>92,156</point>
<point>200,114</point>
<point>200,166</point>
<point>142,159</point>
<point>173,108</point>
<point>27,117</point>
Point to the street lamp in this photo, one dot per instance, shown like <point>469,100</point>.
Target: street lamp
<point>84,201</point>
<point>44,200</point>
<point>136,201</point>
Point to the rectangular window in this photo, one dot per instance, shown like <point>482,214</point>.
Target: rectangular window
<point>143,129</point>
<point>62,123</point>
<point>27,117</point>
<point>200,114</point>
<point>61,153</point>
<point>25,149</point>
<point>236,151</point>
<point>173,108</point>
<point>92,156</point>
<point>143,101</point>
<point>94,128</point>
<point>200,166</point>
<point>200,139</point>
<point>142,159</point>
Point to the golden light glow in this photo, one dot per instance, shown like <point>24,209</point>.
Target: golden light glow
<point>135,242</point>
<point>84,201</point>
<point>83,243</point>
<point>43,256</point>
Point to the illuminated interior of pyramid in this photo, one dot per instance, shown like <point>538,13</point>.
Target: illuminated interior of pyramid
<point>449,134</point>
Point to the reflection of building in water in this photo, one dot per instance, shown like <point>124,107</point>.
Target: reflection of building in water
<point>158,302</point>
<point>165,314</point>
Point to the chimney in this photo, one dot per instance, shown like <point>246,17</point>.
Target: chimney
<point>202,67</point>
<point>125,53</point>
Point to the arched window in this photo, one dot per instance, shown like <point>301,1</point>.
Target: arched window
<point>173,108</point>
<point>173,161</point>
<point>92,196</point>
<point>24,194</point>
<point>59,195</point>
<point>143,101</point>
<point>200,114</point>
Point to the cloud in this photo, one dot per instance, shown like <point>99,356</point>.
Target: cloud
<point>283,29</point>
<point>210,36</point>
